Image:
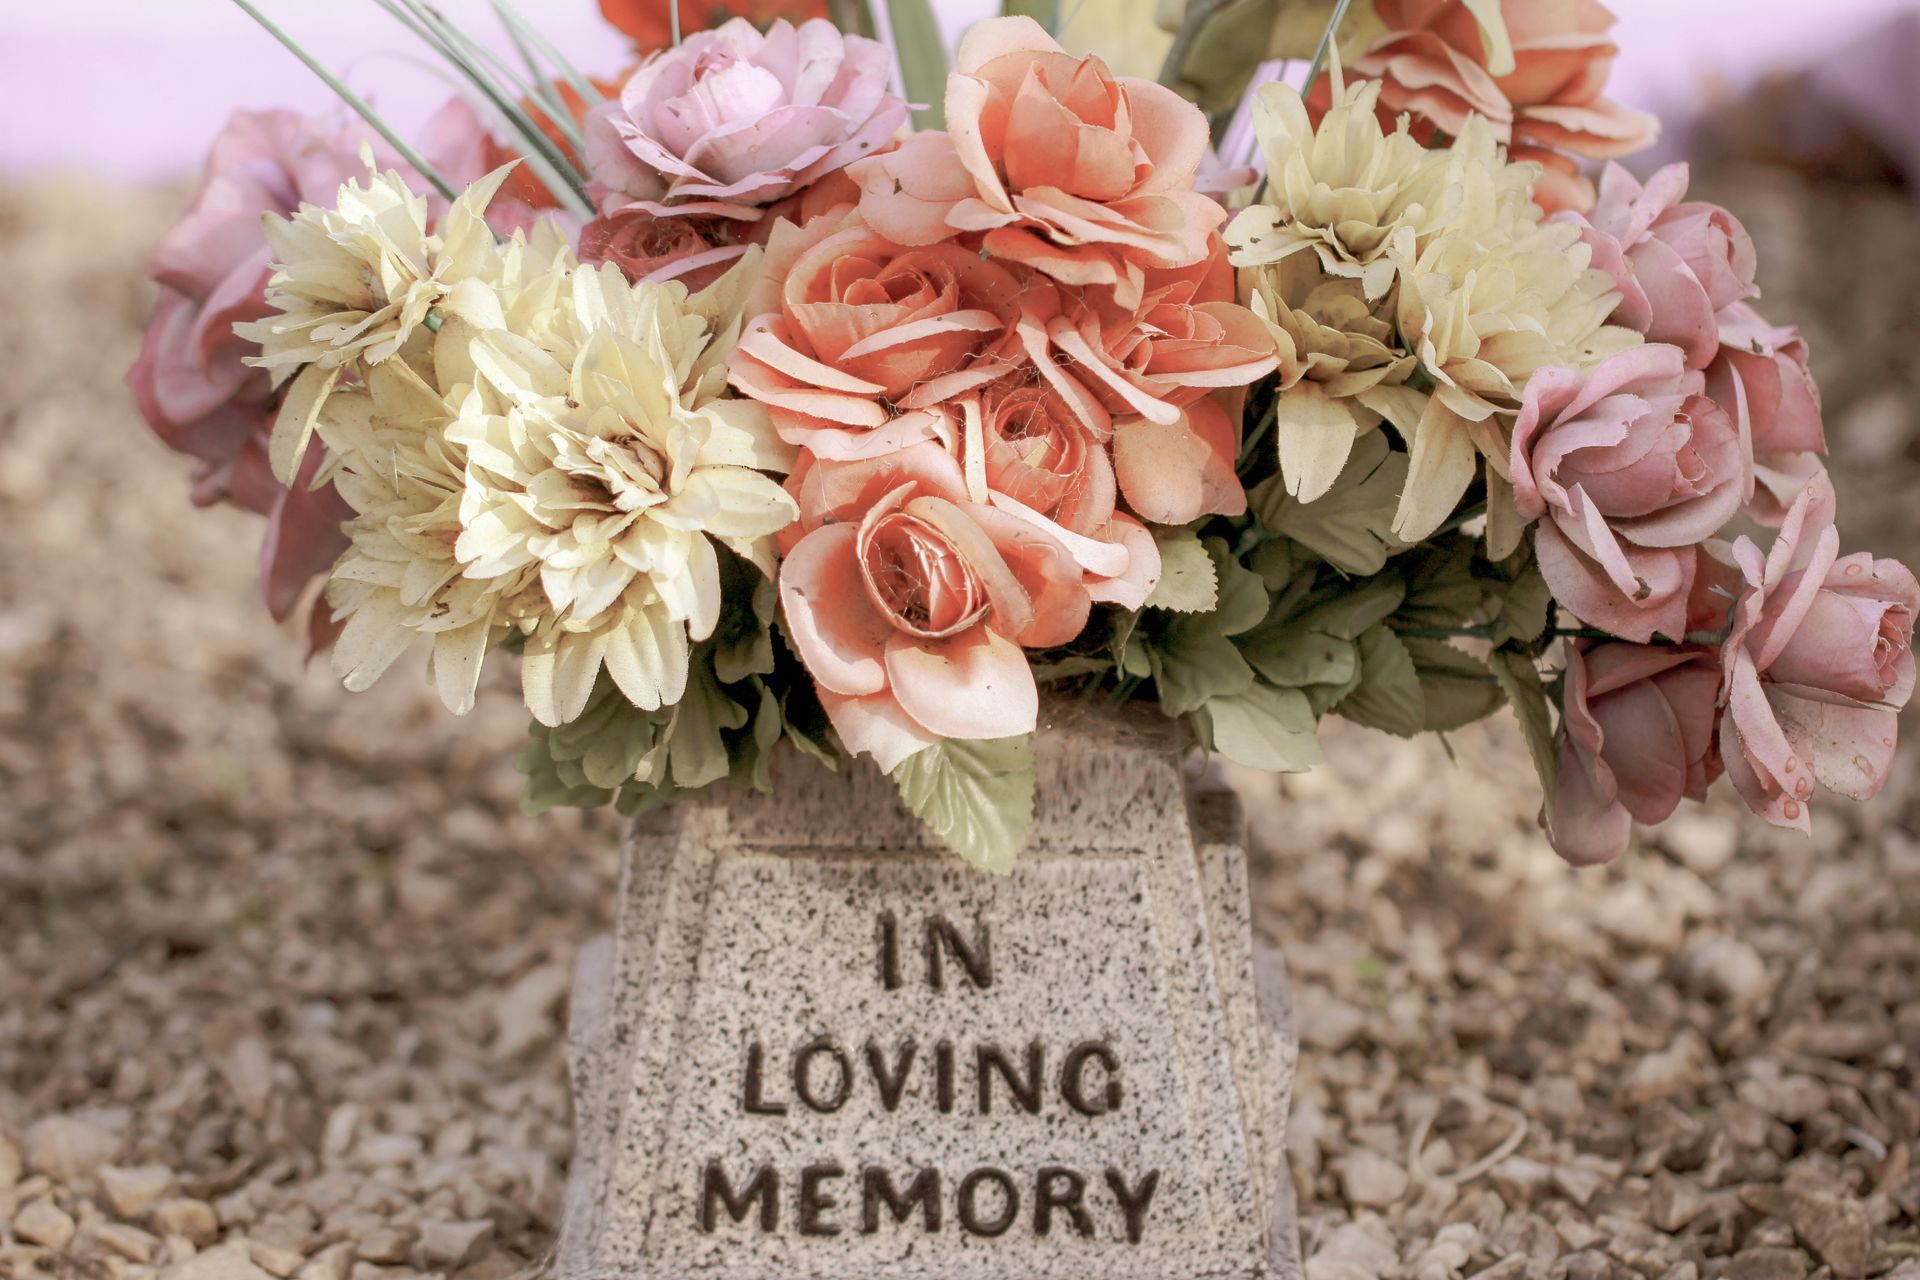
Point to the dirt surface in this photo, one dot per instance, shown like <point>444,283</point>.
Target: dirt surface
<point>282,969</point>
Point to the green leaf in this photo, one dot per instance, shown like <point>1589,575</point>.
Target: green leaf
<point>695,744</point>
<point>1242,603</point>
<point>1459,688</point>
<point>1189,582</point>
<point>1070,666</point>
<point>743,645</point>
<point>1274,560</point>
<point>1389,696</point>
<point>1193,663</point>
<point>1263,728</point>
<point>1044,12</point>
<point>1523,612</point>
<point>1348,611</point>
<point>1131,658</point>
<point>1349,526</point>
<point>977,797</point>
<point>1443,591</point>
<point>1520,678</point>
<point>923,59</point>
<point>1296,656</point>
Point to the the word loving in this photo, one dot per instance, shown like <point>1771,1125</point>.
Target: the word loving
<point>925,1079</point>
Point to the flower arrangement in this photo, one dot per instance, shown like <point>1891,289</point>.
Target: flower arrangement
<point>744,417</point>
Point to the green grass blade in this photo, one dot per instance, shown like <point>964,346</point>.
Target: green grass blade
<point>373,118</point>
<point>526,31</point>
<point>1044,12</point>
<point>923,59</point>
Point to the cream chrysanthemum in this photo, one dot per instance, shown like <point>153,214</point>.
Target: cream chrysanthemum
<point>608,466</point>
<point>354,284</point>
<point>400,577</point>
<point>551,456</point>
<point>1459,292</point>
<point>1349,191</point>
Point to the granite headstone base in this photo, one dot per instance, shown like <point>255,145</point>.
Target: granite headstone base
<point>819,1047</point>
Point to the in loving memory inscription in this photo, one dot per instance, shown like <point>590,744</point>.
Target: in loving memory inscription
<point>826,1075</point>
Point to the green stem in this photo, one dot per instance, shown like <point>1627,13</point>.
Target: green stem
<point>1327,40</point>
<point>542,154</point>
<point>400,145</point>
<point>589,94</point>
<point>1259,432</point>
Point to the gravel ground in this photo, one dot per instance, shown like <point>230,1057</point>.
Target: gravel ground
<point>282,975</point>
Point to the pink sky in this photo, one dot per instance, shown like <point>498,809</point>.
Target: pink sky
<point>140,86</point>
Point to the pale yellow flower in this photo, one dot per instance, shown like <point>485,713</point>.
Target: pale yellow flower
<point>1334,345</point>
<point>1444,286</point>
<point>400,578</point>
<point>608,465</point>
<point>353,285</point>
<point>1349,191</point>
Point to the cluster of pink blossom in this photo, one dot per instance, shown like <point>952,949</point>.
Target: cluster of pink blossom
<point>1782,669</point>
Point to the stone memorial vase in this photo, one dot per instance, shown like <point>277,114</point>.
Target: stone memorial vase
<point>821,1047</point>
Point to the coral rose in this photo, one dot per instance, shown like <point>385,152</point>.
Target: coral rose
<point>1677,264</point>
<point>1536,70</point>
<point>733,120</point>
<point>857,344</point>
<point>1636,737</point>
<point>1630,468</point>
<point>1039,461</point>
<point>650,22</point>
<point>1819,662</point>
<point>910,604</point>
<point>1078,173</point>
<point>1186,338</point>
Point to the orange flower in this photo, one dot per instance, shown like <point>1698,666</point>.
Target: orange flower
<point>1063,166</point>
<point>1550,107</point>
<point>650,24</point>
<point>856,344</point>
<point>910,604</point>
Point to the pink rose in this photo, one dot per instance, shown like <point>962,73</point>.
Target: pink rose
<point>1761,377</point>
<point>1636,736</point>
<point>1677,265</point>
<point>733,120</point>
<point>1080,174</point>
<point>910,604</point>
<point>648,247</point>
<point>1819,662</point>
<point>190,380</point>
<point>1629,469</point>
<point>857,345</point>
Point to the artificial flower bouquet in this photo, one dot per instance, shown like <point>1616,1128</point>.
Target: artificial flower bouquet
<point>793,391</point>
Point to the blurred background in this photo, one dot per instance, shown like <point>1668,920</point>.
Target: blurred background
<point>282,970</point>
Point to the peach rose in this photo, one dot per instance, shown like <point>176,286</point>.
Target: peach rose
<point>1188,337</point>
<point>1548,102</point>
<point>857,344</point>
<point>1039,461</point>
<point>1080,174</point>
<point>910,604</point>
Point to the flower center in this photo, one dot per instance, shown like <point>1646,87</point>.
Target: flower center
<point>916,578</point>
